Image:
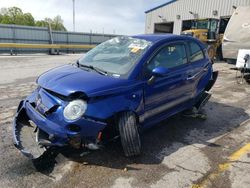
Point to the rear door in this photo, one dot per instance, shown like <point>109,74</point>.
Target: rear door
<point>168,92</point>
<point>200,66</point>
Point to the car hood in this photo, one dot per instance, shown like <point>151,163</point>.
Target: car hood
<point>69,79</point>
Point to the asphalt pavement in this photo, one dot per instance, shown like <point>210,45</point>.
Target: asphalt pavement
<point>178,152</point>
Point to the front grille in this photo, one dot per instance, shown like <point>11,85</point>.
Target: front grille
<point>40,106</point>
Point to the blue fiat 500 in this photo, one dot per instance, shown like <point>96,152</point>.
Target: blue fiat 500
<point>119,88</point>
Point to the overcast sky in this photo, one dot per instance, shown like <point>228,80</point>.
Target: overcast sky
<point>123,17</point>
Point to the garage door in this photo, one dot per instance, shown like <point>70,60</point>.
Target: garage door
<point>164,27</point>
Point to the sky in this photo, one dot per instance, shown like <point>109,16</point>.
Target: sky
<point>111,16</point>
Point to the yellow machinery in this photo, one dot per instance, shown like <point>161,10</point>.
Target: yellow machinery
<point>207,31</point>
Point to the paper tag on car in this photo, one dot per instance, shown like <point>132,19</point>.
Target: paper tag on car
<point>138,46</point>
<point>135,50</point>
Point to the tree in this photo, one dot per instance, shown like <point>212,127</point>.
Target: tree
<point>28,19</point>
<point>56,23</point>
<point>41,23</point>
<point>15,15</point>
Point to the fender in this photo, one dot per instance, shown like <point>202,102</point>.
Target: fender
<point>105,106</point>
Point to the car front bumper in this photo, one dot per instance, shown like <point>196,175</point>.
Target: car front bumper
<point>29,123</point>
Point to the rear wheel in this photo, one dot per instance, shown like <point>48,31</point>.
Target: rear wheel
<point>130,137</point>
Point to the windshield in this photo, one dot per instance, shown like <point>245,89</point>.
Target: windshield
<point>116,56</point>
<point>200,24</point>
<point>210,24</point>
<point>213,25</point>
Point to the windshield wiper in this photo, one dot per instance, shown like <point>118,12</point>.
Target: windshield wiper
<point>98,70</point>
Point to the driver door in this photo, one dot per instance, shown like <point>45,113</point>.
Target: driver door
<point>166,93</point>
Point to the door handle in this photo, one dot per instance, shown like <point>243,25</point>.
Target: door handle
<point>205,69</point>
<point>191,77</point>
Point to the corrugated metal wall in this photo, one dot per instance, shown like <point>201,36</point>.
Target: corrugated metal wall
<point>40,35</point>
<point>204,9</point>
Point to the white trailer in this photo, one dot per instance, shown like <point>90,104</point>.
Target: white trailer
<point>237,34</point>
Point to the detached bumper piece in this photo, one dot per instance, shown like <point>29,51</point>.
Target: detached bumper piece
<point>212,81</point>
<point>34,133</point>
<point>203,100</point>
<point>206,95</point>
<point>27,136</point>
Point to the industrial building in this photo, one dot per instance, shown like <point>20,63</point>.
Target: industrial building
<point>176,16</point>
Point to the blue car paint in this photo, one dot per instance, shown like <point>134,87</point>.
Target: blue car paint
<point>108,96</point>
<point>160,71</point>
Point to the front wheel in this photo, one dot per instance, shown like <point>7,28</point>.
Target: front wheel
<point>130,137</point>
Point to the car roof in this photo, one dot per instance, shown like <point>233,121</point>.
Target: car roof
<point>154,38</point>
<point>158,37</point>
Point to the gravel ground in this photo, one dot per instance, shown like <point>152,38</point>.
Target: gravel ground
<point>179,152</point>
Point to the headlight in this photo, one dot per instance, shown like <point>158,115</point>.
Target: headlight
<point>75,109</point>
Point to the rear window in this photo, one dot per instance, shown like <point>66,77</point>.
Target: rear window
<point>196,52</point>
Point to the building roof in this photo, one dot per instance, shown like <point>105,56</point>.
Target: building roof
<point>162,5</point>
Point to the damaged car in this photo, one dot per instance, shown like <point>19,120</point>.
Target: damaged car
<point>116,90</point>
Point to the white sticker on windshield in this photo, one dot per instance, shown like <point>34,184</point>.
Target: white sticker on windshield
<point>138,46</point>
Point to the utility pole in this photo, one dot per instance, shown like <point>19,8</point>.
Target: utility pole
<point>74,21</point>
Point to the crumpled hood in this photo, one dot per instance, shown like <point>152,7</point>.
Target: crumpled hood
<point>68,79</point>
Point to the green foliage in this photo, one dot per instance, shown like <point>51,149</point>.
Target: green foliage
<point>15,15</point>
<point>55,24</point>
<point>28,19</point>
<point>41,23</point>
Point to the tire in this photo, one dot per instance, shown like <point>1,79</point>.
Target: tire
<point>129,134</point>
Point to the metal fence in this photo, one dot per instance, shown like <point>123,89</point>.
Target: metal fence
<point>43,35</point>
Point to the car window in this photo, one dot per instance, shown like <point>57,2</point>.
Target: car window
<point>196,52</point>
<point>169,57</point>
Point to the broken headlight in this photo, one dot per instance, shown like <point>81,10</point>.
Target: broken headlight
<point>74,110</point>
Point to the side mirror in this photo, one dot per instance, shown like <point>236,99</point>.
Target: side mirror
<point>158,72</point>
